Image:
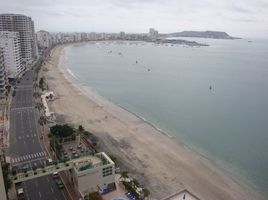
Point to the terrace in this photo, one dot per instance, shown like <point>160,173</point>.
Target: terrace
<point>91,161</point>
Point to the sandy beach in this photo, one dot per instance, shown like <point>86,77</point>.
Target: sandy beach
<point>163,164</point>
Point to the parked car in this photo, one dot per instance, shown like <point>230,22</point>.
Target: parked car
<point>59,183</point>
<point>55,175</point>
<point>20,194</point>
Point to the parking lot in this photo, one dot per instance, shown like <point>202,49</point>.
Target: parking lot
<point>74,149</point>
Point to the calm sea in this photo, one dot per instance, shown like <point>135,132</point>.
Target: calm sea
<point>214,99</point>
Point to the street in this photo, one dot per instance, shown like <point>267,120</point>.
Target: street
<point>25,149</point>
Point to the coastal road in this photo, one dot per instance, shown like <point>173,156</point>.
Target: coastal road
<point>25,149</point>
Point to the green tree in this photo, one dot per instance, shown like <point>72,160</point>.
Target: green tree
<point>81,129</point>
<point>136,182</point>
<point>62,130</point>
<point>42,121</point>
<point>124,174</point>
<point>5,172</point>
<point>146,192</point>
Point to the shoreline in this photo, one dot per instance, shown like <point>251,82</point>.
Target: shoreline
<point>214,190</point>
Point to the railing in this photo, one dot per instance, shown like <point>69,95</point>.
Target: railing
<point>49,169</point>
<point>43,171</point>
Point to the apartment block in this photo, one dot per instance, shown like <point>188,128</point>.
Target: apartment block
<point>25,27</point>
<point>9,42</point>
<point>2,74</point>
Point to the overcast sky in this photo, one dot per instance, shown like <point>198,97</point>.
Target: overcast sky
<point>245,18</point>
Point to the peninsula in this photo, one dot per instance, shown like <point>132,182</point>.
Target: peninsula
<point>203,34</point>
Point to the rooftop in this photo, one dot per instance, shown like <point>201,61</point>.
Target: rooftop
<point>182,195</point>
<point>91,161</point>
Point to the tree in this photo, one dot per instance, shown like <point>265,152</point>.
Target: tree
<point>43,121</point>
<point>42,83</point>
<point>124,174</point>
<point>136,182</point>
<point>62,130</point>
<point>5,172</point>
<point>81,129</point>
<point>146,192</point>
<point>39,106</point>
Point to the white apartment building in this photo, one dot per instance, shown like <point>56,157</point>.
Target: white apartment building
<point>25,27</point>
<point>43,39</point>
<point>2,74</point>
<point>9,42</point>
<point>93,173</point>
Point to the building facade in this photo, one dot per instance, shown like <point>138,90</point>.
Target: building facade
<point>93,173</point>
<point>43,39</point>
<point>25,27</point>
<point>9,42</point>
<point>2,74</point>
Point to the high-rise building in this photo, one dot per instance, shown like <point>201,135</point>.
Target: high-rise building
<point>25,27</point>
<point>9,42</point>
<point>43,39</point>
<point>2,74</point>
<point>153,33</point>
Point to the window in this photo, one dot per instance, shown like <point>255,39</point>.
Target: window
<point>107,171</point>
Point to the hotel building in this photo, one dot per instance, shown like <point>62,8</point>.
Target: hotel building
<point>93,173</point>
<point>9,42</point>
<point>25,27</point>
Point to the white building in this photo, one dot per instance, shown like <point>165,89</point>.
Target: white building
<point>2,74</point>
<point>77,37</point>
<point>93,173</point>
<point>43,39</point>
<point>25,27</point>
<point>9,42</point>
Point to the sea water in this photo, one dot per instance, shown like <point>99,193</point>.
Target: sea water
<point>214,99</point>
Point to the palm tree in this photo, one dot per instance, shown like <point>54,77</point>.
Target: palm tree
<point>146,193</point>
<point>43,121</point>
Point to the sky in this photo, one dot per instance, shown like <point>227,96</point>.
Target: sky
<point>241,18</point>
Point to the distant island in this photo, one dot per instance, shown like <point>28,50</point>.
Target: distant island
<point>203,34</point>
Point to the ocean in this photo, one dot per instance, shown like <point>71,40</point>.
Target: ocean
<point>214,99</point>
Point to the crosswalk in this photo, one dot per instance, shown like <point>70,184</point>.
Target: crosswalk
<point>28,157</point>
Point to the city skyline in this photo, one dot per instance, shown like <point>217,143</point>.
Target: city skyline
<point>240,18</point>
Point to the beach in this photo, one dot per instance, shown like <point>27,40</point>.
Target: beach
<point>162,163</point>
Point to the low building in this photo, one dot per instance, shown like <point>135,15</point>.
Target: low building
<point>93,173</point>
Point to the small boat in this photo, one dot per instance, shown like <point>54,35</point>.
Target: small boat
<point>148,69</point>
<point>210,87</point>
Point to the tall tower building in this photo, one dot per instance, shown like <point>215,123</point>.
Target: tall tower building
<point>43,39</point>
<point>9,42</point>
<point>2,74</point>
<point>25,27</point>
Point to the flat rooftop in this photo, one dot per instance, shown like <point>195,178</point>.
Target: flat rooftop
<point>91,161</point>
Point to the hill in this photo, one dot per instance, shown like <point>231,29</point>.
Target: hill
<point>203,34</point>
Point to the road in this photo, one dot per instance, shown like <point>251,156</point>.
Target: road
<point>25,149</point>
